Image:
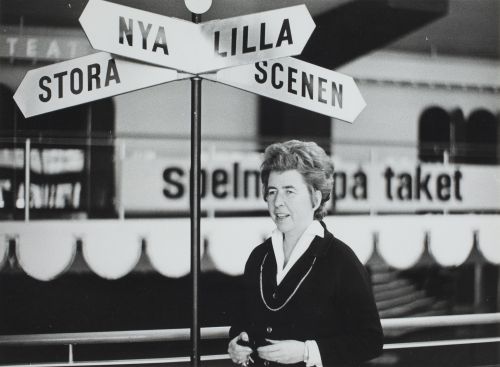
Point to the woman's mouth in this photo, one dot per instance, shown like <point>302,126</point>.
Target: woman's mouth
<point>280,216</point>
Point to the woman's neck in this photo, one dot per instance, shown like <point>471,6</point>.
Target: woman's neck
<point>290,240</point>
<point>288,246</point>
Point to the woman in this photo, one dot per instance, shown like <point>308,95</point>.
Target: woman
<point>307,298</point>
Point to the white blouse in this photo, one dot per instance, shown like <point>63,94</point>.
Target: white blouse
<point>312,356</point>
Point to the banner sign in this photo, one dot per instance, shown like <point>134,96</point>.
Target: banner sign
<point>85,79</point>
<point>52,45</point>
<point>56,181</point>
<point>229,183</point>
<point>196,48</point>
<point>413,186</point>
<point>232,183</point>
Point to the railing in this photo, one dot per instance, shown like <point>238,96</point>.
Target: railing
<point>137,336</point>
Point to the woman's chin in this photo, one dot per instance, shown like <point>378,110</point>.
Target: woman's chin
<point>283,226</point>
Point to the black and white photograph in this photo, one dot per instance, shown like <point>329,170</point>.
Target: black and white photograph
<point>229,183</point>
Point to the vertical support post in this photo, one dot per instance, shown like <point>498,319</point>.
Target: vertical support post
<point>478,287</point>
<point>70,354</point>
<point>27,179</point>
<point>121,160</point>
<point>194,199</point>
<point>478,277</point>
<point>88,163</point>
<point>497,309</point>
<point>498,301</point>
<point>14,189</point>
<point>453,141</point>
<point>371,161</point>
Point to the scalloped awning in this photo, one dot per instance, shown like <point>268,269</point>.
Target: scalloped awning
<point>113,248</point>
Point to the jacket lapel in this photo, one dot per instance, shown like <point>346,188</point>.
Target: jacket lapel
<point>276,295</point>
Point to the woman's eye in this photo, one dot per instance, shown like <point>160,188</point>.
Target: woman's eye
<point>271,193</point>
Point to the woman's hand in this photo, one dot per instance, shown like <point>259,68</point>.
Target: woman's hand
<point>239,353</point>
<point>283,351</point>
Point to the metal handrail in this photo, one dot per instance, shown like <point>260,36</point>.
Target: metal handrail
<point>221,332</point>
<point>217,357</point>
<point>438,321</point>
<point>441,343</point>
<point>121,362</point>
<point>100,337</point>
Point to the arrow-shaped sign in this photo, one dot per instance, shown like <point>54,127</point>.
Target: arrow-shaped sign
<point>85,79</point>
<point>255,37</point>
<point>196,48</point>
<point>298,83</point>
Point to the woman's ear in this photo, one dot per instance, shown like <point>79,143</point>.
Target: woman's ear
<point>317,199</point>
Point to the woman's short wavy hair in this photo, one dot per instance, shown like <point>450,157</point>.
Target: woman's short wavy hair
<point>309,159</point>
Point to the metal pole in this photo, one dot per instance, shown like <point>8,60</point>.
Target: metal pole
<point>88,163</point>
<point>194,199</point>
<point>14,174</point>
<point>121,160</point>
<point>478,276</point>
<point>70,353</point>
<point>478,287</point>
<point>27,179</point>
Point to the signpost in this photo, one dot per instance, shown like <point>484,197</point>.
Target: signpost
<point>192,47</point>
<point>298,83</point>
<point>251,50</point>
<point>85,79</point>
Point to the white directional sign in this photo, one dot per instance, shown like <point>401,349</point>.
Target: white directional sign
<point>196,48</point>
<point>248,52</point>
<point>255,37</point>
<point>298,83</point>
<point>85,79</point>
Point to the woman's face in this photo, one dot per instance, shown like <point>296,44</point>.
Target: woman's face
<point>289,202</point>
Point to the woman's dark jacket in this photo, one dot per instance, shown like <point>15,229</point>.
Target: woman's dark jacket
<point>333,306</point>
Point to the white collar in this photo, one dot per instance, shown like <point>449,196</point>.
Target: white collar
<point>314,229</point>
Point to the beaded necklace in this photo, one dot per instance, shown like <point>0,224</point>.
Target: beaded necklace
<point>291,295</point>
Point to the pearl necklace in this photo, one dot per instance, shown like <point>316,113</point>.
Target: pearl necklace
<point>291,295</point>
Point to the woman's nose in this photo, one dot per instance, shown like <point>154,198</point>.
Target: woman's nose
<point>278,199</point>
